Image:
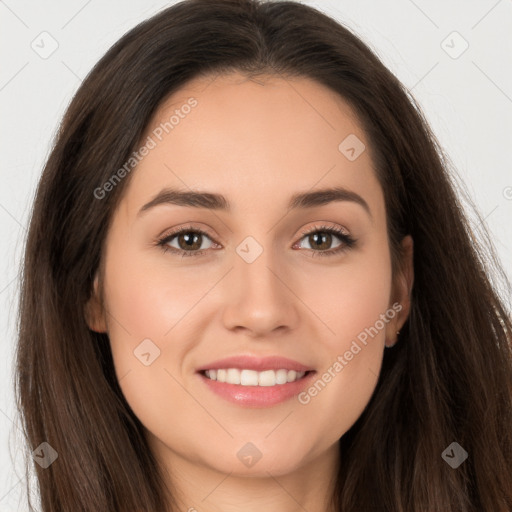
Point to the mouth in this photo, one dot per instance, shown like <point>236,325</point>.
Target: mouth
<point>250,381</point>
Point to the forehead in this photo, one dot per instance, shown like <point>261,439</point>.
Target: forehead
<point>254,141</point>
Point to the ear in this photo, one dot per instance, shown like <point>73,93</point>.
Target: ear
<point>94,311</point>
<point>401,296</point>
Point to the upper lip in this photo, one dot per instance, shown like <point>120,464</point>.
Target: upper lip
<point>256,363</point>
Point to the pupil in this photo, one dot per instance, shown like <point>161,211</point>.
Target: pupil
<point>324,239</point>
<point>190,240</point>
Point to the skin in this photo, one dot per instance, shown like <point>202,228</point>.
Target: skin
<point>257,143</point>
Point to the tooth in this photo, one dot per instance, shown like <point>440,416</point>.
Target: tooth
<point>253,378</point>
<point>233,376</point>
<point>248,378</point>
<point>267,378</point>
<point>292,375</point>
<point>281,376</point>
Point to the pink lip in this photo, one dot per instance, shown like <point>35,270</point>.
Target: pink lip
<point>258,396</point>
<point>258,364</point>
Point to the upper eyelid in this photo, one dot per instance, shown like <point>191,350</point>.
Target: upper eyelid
<point>172,233</point>
<point>303,233</point>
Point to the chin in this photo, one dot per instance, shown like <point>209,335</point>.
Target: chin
<point>275,463</point>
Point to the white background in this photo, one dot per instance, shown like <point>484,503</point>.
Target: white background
<point>467,100</point>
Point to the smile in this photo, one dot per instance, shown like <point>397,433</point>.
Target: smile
<point>247,377</point>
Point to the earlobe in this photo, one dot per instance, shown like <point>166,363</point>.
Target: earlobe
<point>94,311</point>
<point>402,290</point>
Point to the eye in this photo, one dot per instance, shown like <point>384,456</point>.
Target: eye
<point>322,237</point>
<point>190,240</point>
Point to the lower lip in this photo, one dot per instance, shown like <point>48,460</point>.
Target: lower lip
<point>258,396</point>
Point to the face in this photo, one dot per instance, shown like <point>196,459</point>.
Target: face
<point>297,292</point>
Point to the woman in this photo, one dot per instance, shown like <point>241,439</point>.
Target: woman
<point>254,373</point>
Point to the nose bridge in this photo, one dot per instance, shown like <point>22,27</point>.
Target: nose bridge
<point>253,269</point>
<point>257,297</point>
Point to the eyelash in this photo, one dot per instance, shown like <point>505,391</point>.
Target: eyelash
<point>347,241</point>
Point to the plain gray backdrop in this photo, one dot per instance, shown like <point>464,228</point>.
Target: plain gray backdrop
<point>454,56</point>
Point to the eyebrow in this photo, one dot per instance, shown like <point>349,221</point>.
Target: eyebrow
<point>213,201</point>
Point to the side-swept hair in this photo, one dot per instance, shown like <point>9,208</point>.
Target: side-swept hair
<point>449,378</point>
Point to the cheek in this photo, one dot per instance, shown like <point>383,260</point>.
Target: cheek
<point>352,312</point>
<point>350,297</point>
<point>144,303</point>
<point>144,300</point>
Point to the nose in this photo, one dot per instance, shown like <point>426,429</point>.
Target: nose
<point>259,297</point>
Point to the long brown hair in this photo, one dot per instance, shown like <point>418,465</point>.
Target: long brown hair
<point>449,377</point>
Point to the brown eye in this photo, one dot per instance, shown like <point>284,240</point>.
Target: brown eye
<point>188,241</point>
<point>320,240</point>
